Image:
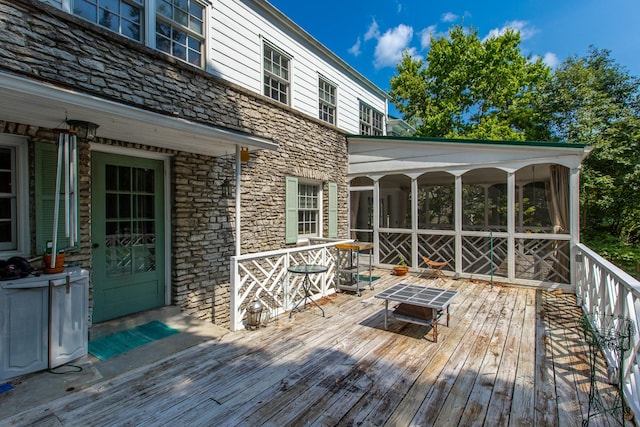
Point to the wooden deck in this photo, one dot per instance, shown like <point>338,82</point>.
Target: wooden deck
<point>511,356</point>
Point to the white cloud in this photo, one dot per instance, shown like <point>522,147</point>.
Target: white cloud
<point>392,44</point>
<point>373,32</point>
<point>449,17</point>
<point>425,36</point>
<point>399,6</point>
<point>355,49</point>
<point>526,30</point>
<point>551,59</point>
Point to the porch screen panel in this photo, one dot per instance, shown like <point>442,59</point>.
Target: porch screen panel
<point>395,202</point>
<point>484,200</point>
<point>436,201</point>
<point>392,245</point>
<point>361,215</point>
<point>543,259</point>
<point>484,255</point>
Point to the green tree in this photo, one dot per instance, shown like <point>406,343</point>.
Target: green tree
<point>472,88</point>
<point>592,100</point>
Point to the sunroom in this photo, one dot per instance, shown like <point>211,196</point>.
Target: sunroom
<point>494,210</point>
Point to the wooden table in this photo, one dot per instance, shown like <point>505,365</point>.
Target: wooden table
<point>418,304</point>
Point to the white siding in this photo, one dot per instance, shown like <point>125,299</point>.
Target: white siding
<point>236,31</point>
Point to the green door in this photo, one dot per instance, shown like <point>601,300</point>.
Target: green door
<point>127,234</point>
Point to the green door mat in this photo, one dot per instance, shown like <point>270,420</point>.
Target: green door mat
<point>366,278</point>
<point>123,341</point>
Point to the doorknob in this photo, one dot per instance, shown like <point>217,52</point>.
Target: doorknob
<point>95,245</point>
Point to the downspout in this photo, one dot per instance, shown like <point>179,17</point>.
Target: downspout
<point>238,192</point>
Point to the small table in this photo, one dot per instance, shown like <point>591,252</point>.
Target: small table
<point>414,296</point>
<point>307,269</point>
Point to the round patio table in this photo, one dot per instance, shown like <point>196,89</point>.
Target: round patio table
<point>306,269</point>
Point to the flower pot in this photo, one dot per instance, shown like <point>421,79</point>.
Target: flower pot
<point>46,264</point>
<point>400,270</point>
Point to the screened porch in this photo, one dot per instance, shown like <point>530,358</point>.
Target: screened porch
<point>506,211</point>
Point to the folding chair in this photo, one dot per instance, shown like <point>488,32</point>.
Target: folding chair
<point>434,268</point>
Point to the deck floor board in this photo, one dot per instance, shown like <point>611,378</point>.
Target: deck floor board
<point>510,356</point>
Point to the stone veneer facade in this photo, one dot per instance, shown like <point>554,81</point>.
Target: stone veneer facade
<point>40,42</point>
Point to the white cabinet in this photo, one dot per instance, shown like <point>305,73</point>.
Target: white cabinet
<point>43,323</point>
<point>68,335</point>
<point>23,329</point>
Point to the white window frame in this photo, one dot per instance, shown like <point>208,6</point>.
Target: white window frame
<point>318,210</point>
<point>289,82</point>
<point>148,22</point>
<point>19,146</point>
<point>322,102</point>
<point>367,119</point>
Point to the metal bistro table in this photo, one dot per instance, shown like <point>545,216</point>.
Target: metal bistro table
<point>418,304</point>
<point>307,269</point>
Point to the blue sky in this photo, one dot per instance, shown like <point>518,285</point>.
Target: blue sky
<point>371,35</point>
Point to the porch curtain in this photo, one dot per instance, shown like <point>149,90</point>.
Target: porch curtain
<point>355,205</point>
<point>557,190</point>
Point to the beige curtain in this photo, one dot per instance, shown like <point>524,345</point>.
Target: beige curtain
<point>558,198</point>
<point>558,205</point>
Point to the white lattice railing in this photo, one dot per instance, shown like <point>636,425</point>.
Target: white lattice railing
<point>603,289</point>
<point>264,277</point>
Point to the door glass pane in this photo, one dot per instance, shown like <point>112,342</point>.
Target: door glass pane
<point>124,178</point>
<point>111,206</point>
<point>131,233</point>
<point>111,177</point>
<point>124,206</point>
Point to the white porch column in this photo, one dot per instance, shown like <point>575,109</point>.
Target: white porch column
<point>414,222</point>
<point>511,226</point>
<point>376,220</point>
<point>574,219</point>
<point>458,224</point>
<point>238,192</point>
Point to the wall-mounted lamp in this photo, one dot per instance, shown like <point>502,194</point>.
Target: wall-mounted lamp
<point>226,189</point>
<point>84,130</point>
<point>244,155</point>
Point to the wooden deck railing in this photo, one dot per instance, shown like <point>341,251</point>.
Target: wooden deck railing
<point>264,277</point>
<point>605,290</point>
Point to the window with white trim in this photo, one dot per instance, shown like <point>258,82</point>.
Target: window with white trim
<point>308,209</point>
<point>14,220</point>
<point>176,27</point>
<point>180,29</point>
<point>304,206</point>
<point>371,121</point>
<point>121,16</point>
<point>277,75</point>
<point>326,101</point>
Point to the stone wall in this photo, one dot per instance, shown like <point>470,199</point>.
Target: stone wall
<point>43,43</point>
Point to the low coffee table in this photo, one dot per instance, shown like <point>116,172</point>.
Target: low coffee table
<point>418,304</point>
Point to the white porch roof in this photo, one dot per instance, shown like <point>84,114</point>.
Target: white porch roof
<point>375,157</point>
<point>45,105</point>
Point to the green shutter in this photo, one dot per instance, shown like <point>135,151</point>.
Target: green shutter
<point>291,219</point>
<point>46,162</point>
<point>333,210</point>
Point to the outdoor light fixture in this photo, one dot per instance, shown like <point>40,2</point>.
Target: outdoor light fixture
<point>84,130</point>
<point>244,155</point>
<point>254,314</point>
<point>226,188</point>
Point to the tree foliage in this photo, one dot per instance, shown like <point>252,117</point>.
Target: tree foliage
<point>592,100</point>
<point>472,88</point>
